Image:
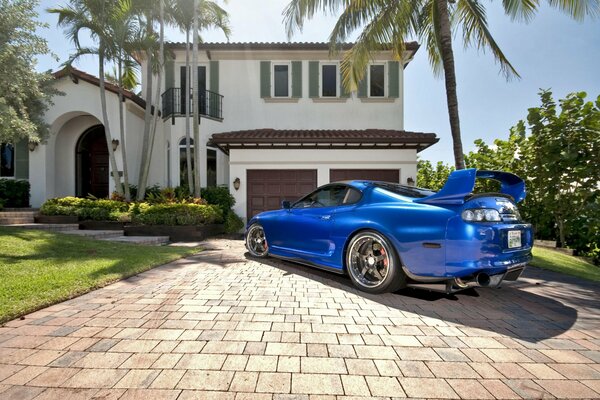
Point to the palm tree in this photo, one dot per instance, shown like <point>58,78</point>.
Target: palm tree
<point>196,104</point>
<point>147,12</point>
<point>388,23</point>
<point>124,31</point>
<point>209,15</point>
<point>91,16</point>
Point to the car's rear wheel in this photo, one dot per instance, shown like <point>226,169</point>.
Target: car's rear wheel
<point>373,264</point>
<point>256,241</point>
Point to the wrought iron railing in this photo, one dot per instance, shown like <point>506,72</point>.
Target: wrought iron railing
<point>174,104</point>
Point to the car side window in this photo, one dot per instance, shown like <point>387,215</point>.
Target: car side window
<point>351,196</point>
<point>330,196</point>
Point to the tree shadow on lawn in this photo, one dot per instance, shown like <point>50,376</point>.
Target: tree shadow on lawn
<point>522,310</point>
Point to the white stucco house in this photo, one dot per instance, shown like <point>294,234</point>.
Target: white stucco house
<point>276,123</point>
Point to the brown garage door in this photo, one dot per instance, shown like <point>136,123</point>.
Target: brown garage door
<point>386,175</point>
<point>268,188</point>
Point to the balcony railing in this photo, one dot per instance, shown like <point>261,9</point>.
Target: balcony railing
<point>174,104</point>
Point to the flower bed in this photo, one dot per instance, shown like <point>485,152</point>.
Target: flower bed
<point>169,207</point>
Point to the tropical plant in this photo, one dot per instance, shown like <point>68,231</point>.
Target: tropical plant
<point>24,93</point>
<point>210,15</point>
<point>92,16</point>
<point>387,24</point>
<point>556,153</point>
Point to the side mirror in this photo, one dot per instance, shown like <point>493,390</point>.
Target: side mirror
<point>286,205</point>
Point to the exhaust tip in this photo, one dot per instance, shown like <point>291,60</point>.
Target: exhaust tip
<point>483,279</point>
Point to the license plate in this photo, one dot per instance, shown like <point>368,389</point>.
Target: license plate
<point>514,239</point>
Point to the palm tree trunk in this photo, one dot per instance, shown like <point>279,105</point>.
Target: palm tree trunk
<point>147,122</point>
<point>122,128</point>
<point>188,149</point>
<point>111,153</point>
<point>161,65</point>
<point>196,97</point>
<point>450,77</point>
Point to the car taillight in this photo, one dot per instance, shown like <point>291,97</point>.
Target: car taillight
<point>481,215</point>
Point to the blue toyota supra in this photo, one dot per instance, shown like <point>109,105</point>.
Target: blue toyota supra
<point>387,236</point>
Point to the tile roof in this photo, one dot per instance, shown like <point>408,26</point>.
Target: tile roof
<point>413,46</point>
<point>76,74</point>
<point>323,138</point>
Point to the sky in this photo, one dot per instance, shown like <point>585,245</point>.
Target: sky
<point>551,52</point>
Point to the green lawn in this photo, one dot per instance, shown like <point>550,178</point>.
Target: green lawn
<point>38,268</point>
<point>559,262</point>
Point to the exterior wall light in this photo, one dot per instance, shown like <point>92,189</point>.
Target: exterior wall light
<point>410,181</point>
<point>236,184</point>
<point>115,144</point>
<point>32,145</point>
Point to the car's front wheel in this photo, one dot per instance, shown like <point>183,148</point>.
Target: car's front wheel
<point>256,241</point>
<point>372,263</point>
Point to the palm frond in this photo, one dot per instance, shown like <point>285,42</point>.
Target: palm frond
<point>470,15</point>
<point>298,11</point>
<point>521,10</point>
<point>578,9</point>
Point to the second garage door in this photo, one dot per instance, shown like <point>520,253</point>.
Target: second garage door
<point>268,188</point>
<point>386,175</point>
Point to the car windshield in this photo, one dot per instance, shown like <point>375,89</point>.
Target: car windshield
<point>408,191</point>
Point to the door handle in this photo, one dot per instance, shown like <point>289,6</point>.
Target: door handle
<point>326,217</point>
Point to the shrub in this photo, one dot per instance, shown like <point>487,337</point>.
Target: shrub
<point>219,196</point>
<point>86,209</point>
<point>176,214</point>
<point>233,223</point>
<point>150,190</point>
<point>14,193</point>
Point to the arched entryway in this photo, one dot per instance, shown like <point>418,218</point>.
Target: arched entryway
<point>92,167</point>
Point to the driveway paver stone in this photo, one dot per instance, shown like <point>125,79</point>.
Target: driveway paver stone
<point>221,325</point>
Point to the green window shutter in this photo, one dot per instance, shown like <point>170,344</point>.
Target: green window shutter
<point>214,76</point>
<point>297,79</point>
<point>363,86</point>
<point>265,79</point>
<point>343,91</point>
<point>169,74</point>
<point>22,160</point>
<point>393,79</point>
<point>313,79</point>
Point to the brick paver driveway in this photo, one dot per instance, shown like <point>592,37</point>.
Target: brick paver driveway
<point>222,326</point>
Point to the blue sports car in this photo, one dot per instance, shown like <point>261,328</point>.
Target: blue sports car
<point>387,236</point>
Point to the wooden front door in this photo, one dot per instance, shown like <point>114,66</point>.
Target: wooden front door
<point>92,164</point>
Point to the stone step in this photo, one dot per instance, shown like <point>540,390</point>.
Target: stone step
<point>95,234</point>
<point>20,209</point>
<point>47,227</point>
<point>147,240</point>
<point>14,214</point>
<point>15,220</point>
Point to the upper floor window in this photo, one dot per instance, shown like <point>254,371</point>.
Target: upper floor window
<point>377,80</point>
<point>281,80</point>
<point>329,80</point>
<point>7,160</point>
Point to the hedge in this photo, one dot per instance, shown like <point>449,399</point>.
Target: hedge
<point>176,214</point>
<point>87,209</point>
<point>14,193</point>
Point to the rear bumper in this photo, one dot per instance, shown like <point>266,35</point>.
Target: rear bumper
<point>454,285</point>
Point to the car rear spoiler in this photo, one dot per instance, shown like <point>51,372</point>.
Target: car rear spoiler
<point>461,183</point>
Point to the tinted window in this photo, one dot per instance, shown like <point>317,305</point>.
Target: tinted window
<point>402,190</point>
<point>329,80</point>
<point>352,196</point>
<point>329,196</point>
<point>377,81</point>
<point>281,81</point>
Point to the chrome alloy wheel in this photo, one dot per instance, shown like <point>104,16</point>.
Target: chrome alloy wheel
<point>256,241</point>
<point>368,260</point>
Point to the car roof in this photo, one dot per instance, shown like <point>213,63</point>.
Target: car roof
<point>358,184</point>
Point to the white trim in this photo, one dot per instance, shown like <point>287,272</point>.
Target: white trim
<point>288,64</point>
<point>337,79</point>
<point>385,80</point>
